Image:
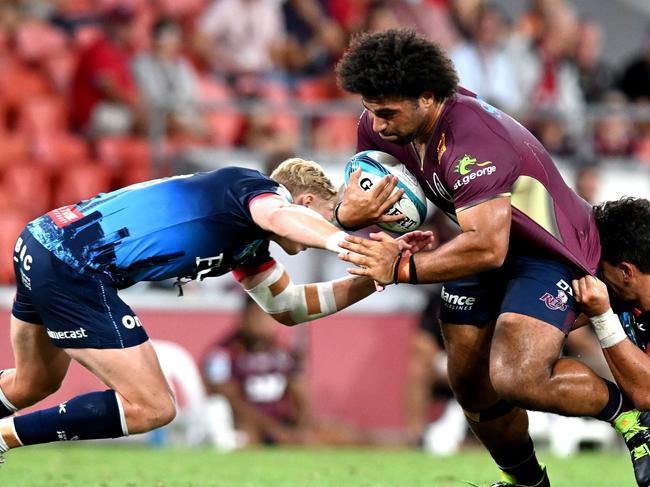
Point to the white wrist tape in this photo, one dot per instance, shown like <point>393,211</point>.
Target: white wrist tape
<point>608,329</point>
<point>332,242</point>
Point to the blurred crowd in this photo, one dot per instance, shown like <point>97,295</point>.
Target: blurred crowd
<point>97,94</point>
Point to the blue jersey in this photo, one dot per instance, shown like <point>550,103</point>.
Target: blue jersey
<point>637,327</point>
<point>191,227</point>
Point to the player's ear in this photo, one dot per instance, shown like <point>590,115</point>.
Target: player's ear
<point>629,271</point>
<point>427,99</point>
<point>305,199</point>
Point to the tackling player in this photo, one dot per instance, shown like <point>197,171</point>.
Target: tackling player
<point>71,262</point>
<point>624,227</point>
<point>507,300</point>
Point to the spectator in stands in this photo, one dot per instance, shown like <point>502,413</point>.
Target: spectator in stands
<point>635,81</point>
<point>547,79</point>
<point>587,182</point>
<point>104,94</point>
<point>263,380</point>
<point>314,40</point>
<point>167,81</point>
<point>614,133</point>
<point>483,64</point>
<point>465,16</point>
<point>270,131</point>
<point>596,76</point>
<point>242,40</point>
<point>428,19</point>
<point>550,127</point>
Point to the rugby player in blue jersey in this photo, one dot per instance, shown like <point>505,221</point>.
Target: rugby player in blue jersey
<point>623,327</point>
<point>71,262</point>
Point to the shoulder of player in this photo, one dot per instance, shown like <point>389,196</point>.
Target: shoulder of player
<point>467,115</point>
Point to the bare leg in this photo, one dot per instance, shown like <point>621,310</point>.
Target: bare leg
<point>135,374</point>
<point>468,352</point>
<point>39,366</point>
<point>525,370</point>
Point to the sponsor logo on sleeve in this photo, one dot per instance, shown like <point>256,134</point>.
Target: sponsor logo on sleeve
<point>65,215</point>
<point>470,169</point>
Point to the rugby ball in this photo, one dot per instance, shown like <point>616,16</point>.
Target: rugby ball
<point>413,203</point>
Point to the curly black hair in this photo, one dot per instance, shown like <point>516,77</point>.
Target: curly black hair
<point>396,63</point>
<point>624,227</point>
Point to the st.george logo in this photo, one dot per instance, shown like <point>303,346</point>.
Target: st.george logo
<point>465,164</point>
<point>470,169</point>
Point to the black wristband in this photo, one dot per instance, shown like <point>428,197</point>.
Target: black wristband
<point>413,275</point>
<point>336,217</point>
<point>398,260</point>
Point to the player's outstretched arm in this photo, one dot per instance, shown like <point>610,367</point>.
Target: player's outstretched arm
<point>295,222</point>
<point>482,246</point>
<point>628,363</point>
<point>291,303</point>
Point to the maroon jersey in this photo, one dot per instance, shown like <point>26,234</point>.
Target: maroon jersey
<point>262,375</point>
<point>477,153</point>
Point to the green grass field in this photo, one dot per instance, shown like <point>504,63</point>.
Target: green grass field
<point>133,466</point>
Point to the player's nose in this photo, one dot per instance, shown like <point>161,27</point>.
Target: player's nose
<point>378,124</point>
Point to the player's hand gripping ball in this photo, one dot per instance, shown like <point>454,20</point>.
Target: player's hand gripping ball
<point>413,203</point>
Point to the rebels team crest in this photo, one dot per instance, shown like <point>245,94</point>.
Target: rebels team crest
<point>555,303</point>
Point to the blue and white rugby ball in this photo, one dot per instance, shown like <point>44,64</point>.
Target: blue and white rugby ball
<point>413,203</point>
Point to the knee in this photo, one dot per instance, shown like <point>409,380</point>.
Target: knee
<point>149,416</point>
<point>506,383</point>
<point>518,381</point>
<point>470,386</point>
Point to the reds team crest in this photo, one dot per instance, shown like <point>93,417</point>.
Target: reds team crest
<point>555,303</point>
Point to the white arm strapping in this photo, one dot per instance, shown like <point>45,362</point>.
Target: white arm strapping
<point>608,329</point>
<point>294,298</point>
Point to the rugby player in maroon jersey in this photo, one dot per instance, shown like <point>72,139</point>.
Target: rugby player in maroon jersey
<point>507,300</point>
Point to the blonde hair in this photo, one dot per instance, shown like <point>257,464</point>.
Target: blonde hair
<point>300,176</point>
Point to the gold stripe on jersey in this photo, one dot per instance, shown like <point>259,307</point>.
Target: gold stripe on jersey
<point>531,198</point>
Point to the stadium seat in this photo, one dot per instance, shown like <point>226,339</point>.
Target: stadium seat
<point>336,132</point>
<point>12,222</point>
<point>313,90</point>
<point>42,115</point>
<point>29,186</point>
<point>80,182</point>
<point>225,126</point>
<point>59,149</point>
<point>19,83</point>
<point>211,90</point>
<point>13,149</point>
<point>36,41</point>
<point>129,158</point>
